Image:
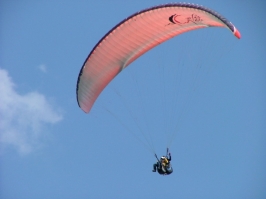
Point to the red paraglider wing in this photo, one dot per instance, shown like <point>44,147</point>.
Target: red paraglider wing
<point>136,35</point>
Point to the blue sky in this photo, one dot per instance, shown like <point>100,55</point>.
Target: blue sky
<point>206,87</point>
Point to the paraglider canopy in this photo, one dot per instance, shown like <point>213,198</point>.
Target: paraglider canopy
<point>134,36</point>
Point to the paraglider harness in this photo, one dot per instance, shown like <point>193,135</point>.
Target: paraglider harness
<point>164,168</point>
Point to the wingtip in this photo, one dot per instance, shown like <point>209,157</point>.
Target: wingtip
<point>237,33</point>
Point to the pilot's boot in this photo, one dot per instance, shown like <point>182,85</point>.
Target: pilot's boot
<point>154,168</point>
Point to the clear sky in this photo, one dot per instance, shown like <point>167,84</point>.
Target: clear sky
<point>206,87</point>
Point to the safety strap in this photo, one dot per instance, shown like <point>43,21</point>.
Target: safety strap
<point>157,157</point>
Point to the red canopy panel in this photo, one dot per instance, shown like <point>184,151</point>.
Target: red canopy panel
<point>136,35</point>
